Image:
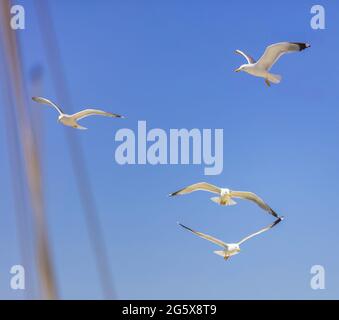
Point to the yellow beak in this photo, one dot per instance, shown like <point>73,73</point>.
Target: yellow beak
<point>237,70</point>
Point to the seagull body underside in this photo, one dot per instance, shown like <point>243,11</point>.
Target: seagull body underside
<point>69,121</point>
<point>231,250</point>
<point>225,198</point>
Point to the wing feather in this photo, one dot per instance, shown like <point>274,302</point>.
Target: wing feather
<point>260,231</point>
<point>203,186</point>
<point>254,198</point>
<point>275,51</point>
<point>48,102</point>
<point>249,59</point>
<point>206,237</point>
<point>90,112</point>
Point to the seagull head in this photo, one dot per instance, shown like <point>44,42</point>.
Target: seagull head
<point>225,191</point>
<point>233,248</point>
<point>241,68</point>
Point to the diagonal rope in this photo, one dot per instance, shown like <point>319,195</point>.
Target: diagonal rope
<point>77,155</point>
<point>19,197</point>
<point>30,152</point>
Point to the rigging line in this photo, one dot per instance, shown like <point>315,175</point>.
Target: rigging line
<point>30,152</point>
<point>14,157</point>
<point>77,155</point>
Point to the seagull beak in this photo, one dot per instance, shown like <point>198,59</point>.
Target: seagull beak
<point>237,70</point>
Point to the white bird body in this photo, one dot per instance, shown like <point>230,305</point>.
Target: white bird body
<point>225,195</point>
<point>271,55</point>
<point>71,120</point>
<point>230,249</point>
<point>257,70</point>
<point>254,70</point>
<point>225,198</point>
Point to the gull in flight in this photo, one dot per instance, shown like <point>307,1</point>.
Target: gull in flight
<point>230,249</point>
<point>71,120</point>
<point>271,55</point>
<point>226,195</point>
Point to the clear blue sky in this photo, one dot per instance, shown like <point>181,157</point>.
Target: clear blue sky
<point>171,63</point>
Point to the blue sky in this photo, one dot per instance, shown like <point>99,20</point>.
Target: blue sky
<point>171,63</point>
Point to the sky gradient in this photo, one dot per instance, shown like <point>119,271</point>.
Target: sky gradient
<point>171,63</point>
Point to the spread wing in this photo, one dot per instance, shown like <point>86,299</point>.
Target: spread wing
<point>260,231</point>
<point>206,237</point>
<point>91,112</point>
<point>48,102</point>
<point>275,51</point>
<point>204,186</point>
<point>249,59</point>
<point>254,198</point>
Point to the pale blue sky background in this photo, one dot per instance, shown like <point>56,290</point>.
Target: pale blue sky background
<point>171,63</point>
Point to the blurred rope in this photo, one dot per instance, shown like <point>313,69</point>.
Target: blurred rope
<point>77,155</point>
<point>17,180</point>
<point>36,89</point>
<point>30,152</point>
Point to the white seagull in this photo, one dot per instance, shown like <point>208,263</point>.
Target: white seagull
<point>230,249</point>
<point>70,120</point>
<point>271,55</point>
<point>226,195</point>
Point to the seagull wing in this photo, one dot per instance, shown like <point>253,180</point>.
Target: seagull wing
<point>48,102</point>
<point>249,59</point>
<point>260,231</point>
<point>204,186</point>
<point>275,51</point>
<point>253,197</point>
<point>206,237</point>
<point>90,112</point>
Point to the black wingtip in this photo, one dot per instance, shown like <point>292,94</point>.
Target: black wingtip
<point>277,221</point>
<point>302,45</point>
<point>274,214</point>
<point>114,115</point>
<point>181,225</point>
<point>187,228</point>
<point>174,193</point>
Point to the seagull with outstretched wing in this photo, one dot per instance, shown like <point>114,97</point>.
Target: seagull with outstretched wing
<point>230,249</point>
<point>71,120</point>
<point>225,195</point>
<point>271,55</point>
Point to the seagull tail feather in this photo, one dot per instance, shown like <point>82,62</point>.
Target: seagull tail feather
<point>228,202</point>
<point>80,127</point>
<point>275,78</point>
<point>220,253</point>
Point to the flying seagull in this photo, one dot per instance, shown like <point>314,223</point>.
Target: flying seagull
<point>226,195</point>
<point>230,249</point>
<point>71,120</point>
<point>271,55</point>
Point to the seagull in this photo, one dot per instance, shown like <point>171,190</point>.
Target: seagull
<point>70,120</point>
<point>230,249</point>
<point>271,55</point>
<point>226,195</point>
